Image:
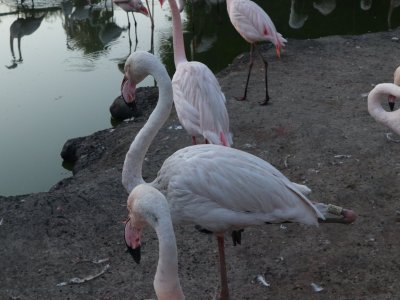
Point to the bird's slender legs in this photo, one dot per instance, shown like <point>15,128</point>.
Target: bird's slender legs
<point>265,102</point>
<point>129,22</point>
<point>194,140</point>
<point>151,12</point>
<point>248,74</point>
<point>135,23</point>
<point>224,295</point>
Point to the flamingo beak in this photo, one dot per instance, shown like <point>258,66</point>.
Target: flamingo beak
<point>128,91</point>
<point>135,253</point>
<point>132,241</point>
<point>391,101</point>
<point>144,10</point>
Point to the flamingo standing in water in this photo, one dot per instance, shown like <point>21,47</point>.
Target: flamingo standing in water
<point>199,101</point>
<point>218,188</point>
<point>254,25</point>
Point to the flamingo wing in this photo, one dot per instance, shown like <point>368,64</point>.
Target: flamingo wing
<point>251,21</point>
<point>200,102</point>
<point>222,188</point>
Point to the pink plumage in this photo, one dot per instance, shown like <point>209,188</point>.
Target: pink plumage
<point>254,25</point>
<point>198,98</point>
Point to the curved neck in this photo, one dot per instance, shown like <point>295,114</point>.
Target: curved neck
<point>375,98</point>
<point>177,35</point>
<point>166,280</point>
<point>228,5</point>
<point>132,168</point>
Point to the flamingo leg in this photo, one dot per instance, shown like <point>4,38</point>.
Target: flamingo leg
<point>194,140</point>
<point>248,74</point>
<point>129,22</point>
<point>135,23</point>
<point>224,295</point>
<point>265,102</point>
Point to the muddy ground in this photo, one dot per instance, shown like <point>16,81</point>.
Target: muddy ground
<point>316,130</point>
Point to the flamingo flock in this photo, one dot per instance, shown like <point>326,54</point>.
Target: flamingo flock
<point>214,186</point>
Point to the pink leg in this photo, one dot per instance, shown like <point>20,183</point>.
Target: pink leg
<point>224,295</point>
<point>194,140</point>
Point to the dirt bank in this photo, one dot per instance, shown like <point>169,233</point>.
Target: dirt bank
<point>316,130</point>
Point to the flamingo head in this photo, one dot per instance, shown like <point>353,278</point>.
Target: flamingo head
<point>391,102</point>
<point>142,9</point>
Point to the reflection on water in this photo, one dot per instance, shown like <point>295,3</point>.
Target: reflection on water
<point>61,64</point>
<point>19,28</point>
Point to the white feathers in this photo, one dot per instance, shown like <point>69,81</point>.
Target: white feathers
<point>200,103</point>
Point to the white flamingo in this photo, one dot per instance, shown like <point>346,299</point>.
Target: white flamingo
<point>218,188</point>
<point>198,98</point>
<point>380,93</point>
<point>149,207</point>
<point>254,25</point>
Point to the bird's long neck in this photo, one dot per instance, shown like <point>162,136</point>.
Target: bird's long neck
<point>177,34</point>
<point>132,168</point>
<point>166,280</point>
<point>375,98</point>
<point>228,5</point>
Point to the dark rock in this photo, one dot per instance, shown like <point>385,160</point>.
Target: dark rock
<point>146,100</point>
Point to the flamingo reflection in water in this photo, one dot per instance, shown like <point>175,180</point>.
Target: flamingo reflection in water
<point>19,28</point>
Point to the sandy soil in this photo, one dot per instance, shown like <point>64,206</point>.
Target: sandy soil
<point>316,130</point>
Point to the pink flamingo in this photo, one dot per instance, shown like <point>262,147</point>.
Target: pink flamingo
<point>389,91</point>
<point>396,80</point>
<point>218,188</point>
<point>199,101</point>
<point>254,25</point>
<point>151,208</point>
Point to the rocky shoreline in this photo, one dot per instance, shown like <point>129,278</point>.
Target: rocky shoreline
<point>316,130</point>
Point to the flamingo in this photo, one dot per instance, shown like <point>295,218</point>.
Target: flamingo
<point>199,101</point>
<point>375,98</point>
<point>218,188</point>
<point>254,25</point>
<point>149,207</point>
